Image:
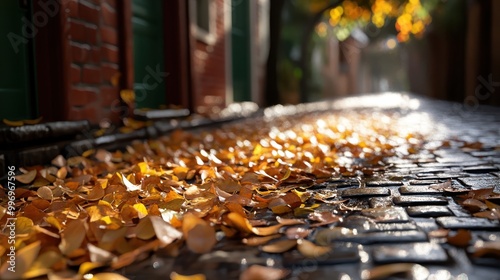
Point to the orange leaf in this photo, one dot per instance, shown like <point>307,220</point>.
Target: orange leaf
<point>240,222</point>
<point>461,239</point>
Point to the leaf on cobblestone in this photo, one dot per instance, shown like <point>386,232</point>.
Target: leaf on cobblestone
<point>259,240</point>
<point>486,249</point>
<point>297,232</point>
<point>258,272</point>
<point>324,218</point>
<point>265,231</point>
<point>236,179</point>
<point>311,250</point>
<point>461,238</point>
<point>474,205</point>
<point>413,271</point>
<point>492,214</point>
<point>290,222</point>
<point>280,246</point>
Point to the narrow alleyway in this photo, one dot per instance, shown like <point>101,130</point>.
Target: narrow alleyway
<point>374,187</point>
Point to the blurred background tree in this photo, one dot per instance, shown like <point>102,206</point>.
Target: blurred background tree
<point>399,43</point>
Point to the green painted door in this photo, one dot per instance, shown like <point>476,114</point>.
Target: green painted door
<point>240,38</point>
<point>149,61</point>
<point>17,98</point>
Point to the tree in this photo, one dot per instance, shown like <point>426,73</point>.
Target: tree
<point>410,17</point>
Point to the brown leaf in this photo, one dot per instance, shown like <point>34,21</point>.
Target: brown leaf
<point>27,178</point>
<point>280,246</point>
<point>385,271</point>
<point>45,193</point>
<point>474,205</point>
<point>131,256</point>
<point>311,250</point>
<point>290,222</point>
<point>461,239</point>
<point>260,240</point>
<point>297,232</point>
<point>258,272</point>
<point>200,236</point>
<point>485,249</point>
<point>72,236</point>
<point>492,215</point>
<point>324,218</point>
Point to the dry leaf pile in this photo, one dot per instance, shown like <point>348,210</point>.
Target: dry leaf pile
<point>105,210</point>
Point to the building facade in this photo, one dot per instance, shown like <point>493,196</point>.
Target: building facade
<point>71,59</point>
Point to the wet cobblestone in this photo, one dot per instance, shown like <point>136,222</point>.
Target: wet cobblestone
<point>399,211</point>
<point>397,218</point>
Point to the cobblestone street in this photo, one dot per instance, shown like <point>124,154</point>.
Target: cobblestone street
<point>424,208</point>
<point>398,211</point>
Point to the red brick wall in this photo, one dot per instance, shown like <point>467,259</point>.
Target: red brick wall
<point>94,58</point>
<point>209,68</point>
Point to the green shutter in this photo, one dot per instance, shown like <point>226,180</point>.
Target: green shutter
<point>241,50</point>
<point>16,98</point>
<point>149,61</point>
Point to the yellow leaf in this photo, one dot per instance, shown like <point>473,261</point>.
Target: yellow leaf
<point>33,121</point>
<point>43,264</point>
<point>115,79</point>
<point>88,153</point>
<point>141,210</point>
<point>143,166</point>
<point>13,123</point>
<point>176,276</point>
<point>23,225</point>
<point>86,267</point>
<point>128,96</point>
<point>51,220</point>
<point>24,259</point>
<point>108,276</point>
